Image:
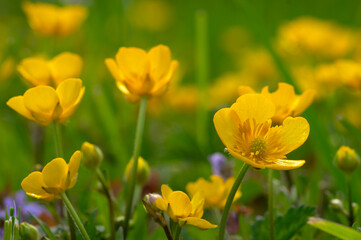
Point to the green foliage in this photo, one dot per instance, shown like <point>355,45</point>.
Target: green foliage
<point>286,226</point>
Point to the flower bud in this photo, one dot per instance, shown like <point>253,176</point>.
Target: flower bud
<point>150,199</point>
<point>28,231</point>
<point>143,171</point>
<point>347,159</point>
<point>92,155</point>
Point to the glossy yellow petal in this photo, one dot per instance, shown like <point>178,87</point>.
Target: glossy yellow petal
<point>65,65</point>
<point>33,185</point>
<point>242,90</point>
<point>254,106</point>
<point>160,60</point>
<point>17,103</point>
<point>42,102</point>
<point>70,111</point>
<point>199,222</point>
<point>288,137</point>
<point>35,70</point>
<point>161,86</point>
<point>114,70</point>
<point>133,64</point>
<point>226,122</point>
<point>282,164</point>
<point>179,204</point>
<point>73,167</point>
<point>161,204</point>
<point>304,101</point>
<point>197,205</point>
<point>70,18</point>
<point>166,191</point>
<point>55,174</point>
<point>246,160</point>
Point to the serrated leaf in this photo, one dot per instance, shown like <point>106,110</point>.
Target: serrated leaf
<point>44,227</point>
<point>286,226</point>
<point>334,229</point>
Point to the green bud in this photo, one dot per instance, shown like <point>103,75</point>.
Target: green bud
<point>28,231</point>
<point>347,159</point>
<point>93,156</point>
<point>150,199</point>
<point>143,171</point>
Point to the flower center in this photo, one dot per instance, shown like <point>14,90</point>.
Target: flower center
<point>257,147</point>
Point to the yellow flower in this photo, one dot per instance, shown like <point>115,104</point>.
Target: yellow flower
<point>215,192</point>
<point>38,71</point>
<point>245,129</point>
<point>56,177</point>
<point>51,20</point>
<point>347,159</point>
<point>182,210</point>
<point>138,73</point>
<point>286,102</point>
<point>44,104</point>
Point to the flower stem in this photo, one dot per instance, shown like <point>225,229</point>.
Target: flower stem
<point>167,232</point>
<point>74,215</point>
<point>110,199</point>
<point>230,198</point>
<point>136,153</point>
<point>58,139</point>
<point>350,215</point>
<point>177,232</point>
<point>270,205</point>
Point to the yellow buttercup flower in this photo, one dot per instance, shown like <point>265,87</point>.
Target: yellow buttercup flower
<point>286,101</point>
<point>245,129</point>
<point>44,104</point>
<point>181,209</point>
<point>39,71</point>
<point>139,73</point>
<point>56,177</point>
<point>215,192</point>
<point>51,20</point>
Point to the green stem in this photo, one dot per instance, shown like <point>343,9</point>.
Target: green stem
<point>270,205</point>
<point>232,193</point>
<point>58,139</point>
<point>350,215</point>
<point>74,215</point>
<point>110,199</point>
<point>177,232</point>
<point>167,232</point>
<point>136,153</point>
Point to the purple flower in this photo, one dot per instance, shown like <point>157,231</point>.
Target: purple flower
<point>20,201</point>
<point>220,165</point>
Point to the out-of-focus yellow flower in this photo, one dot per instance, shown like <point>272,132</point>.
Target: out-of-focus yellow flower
<point>215,192</point>
<point>181,209</point>
<point>93,155</point>
<point>56,177</point>
<point>7,68</point>
<point>315,37</point>
<point>234,40</point>
<point>347,159</point>
<point>143,171</point>
<point>44,104</point>
<point>286,101</point>
<point>151,15</point>
<point>139,73</point>
<point>245,129</point>
<point>51,20</point>
<point>39,71</point>
<point>183,98</point>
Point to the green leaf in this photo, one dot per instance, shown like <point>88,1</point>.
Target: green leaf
<point>286,226</point>
<point>45,228</point>
<point>334,229</point>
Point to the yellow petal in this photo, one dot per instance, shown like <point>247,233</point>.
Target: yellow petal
<point>198,222</point>
<point>242,90</point>
<point>282,164</point>
<point>286,138</point>
<point>55,174</point>
<point>179,204</point>
<point>65,65</point>
<point>73,167</point>
<point>161,204</point>
<point>254,106</point>
<point>246,160</point>
<point>166,191</point>
<point>304,101</point>
<point>17,103</point>
<point>41,101</point>
<point>113,69</point>
<point>70,111</point>
<point>68,92</point>
<point>197,204</point>
<point>35,70</point>
<point>226,122</point>
<point>162,85</point>
<point>33,185</point>
<point>70,18</point>
<point>160,60</point>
